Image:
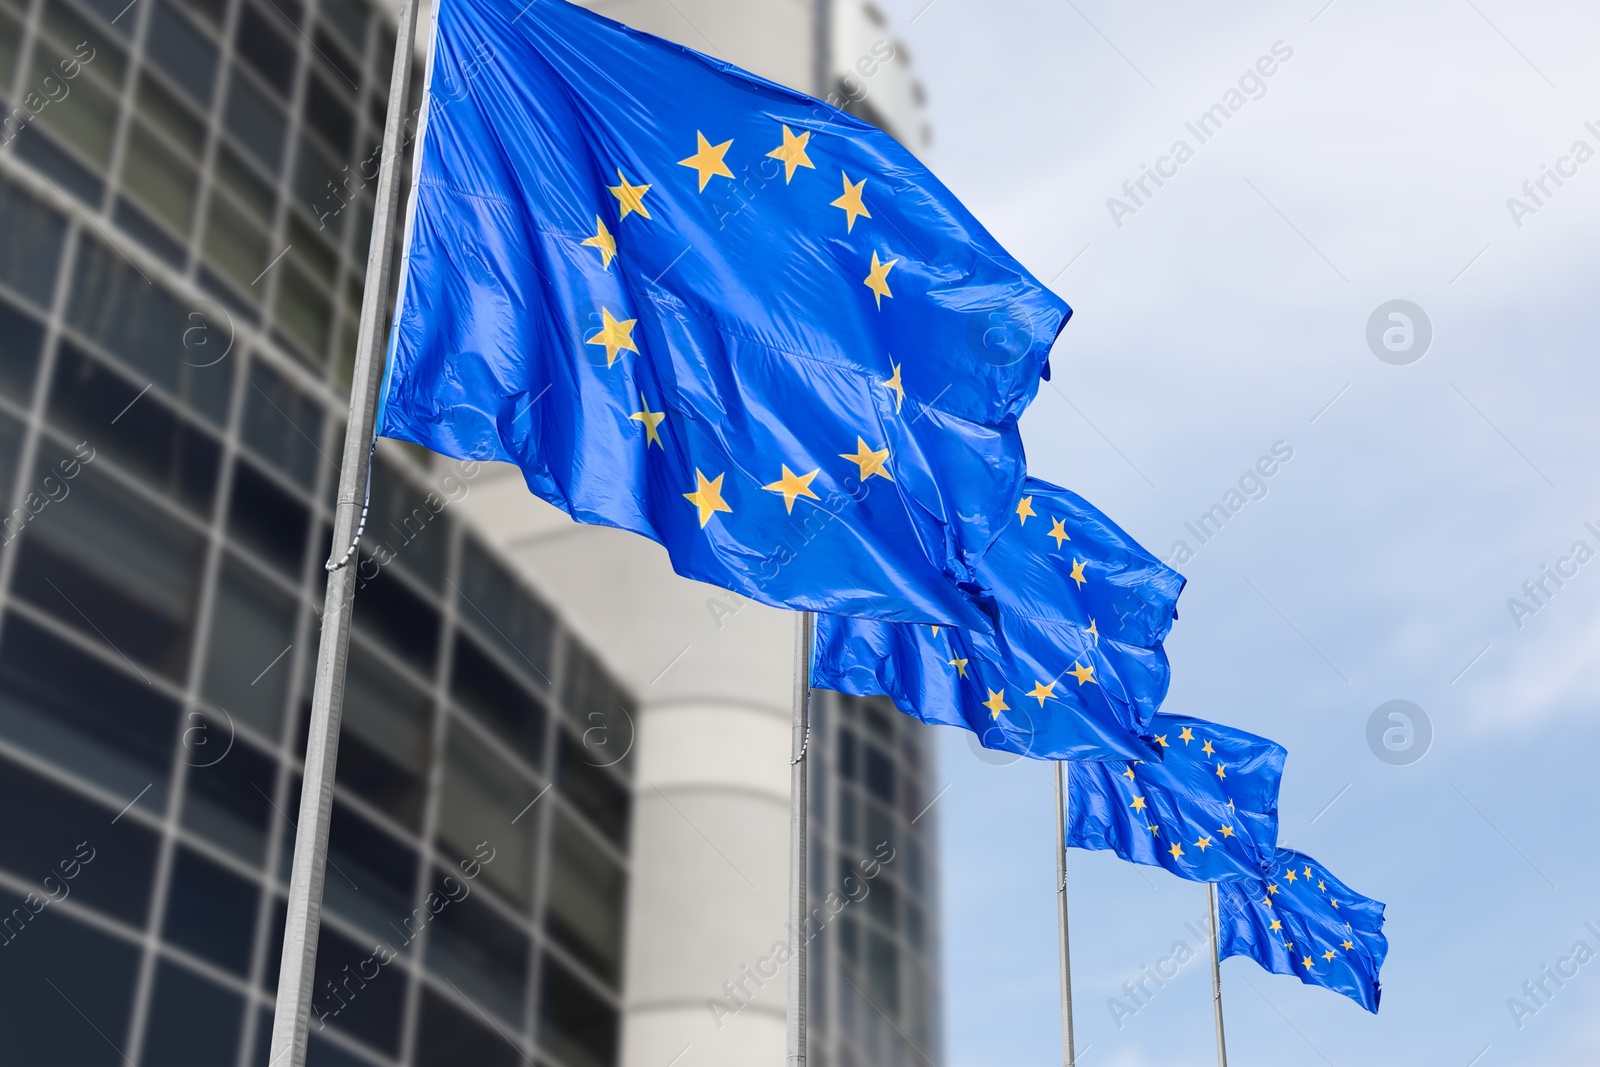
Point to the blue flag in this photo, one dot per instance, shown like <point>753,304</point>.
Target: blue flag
<point>1208,811</point>
<point>1074,668</point>
<point>1303,921</point>
<point>697,305</point>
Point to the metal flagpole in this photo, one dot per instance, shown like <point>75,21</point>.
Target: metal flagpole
<point>796,1053</point>
<point>1069,1054</point>
<point>1216,975</point>
<point>291,1017</point>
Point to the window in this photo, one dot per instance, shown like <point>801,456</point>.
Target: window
<point>847,754</point>
<point>328,114</point>
<point>349,18</point>
<point>282,425</point>
<point>480,795</point>
<point>879,774</point>
<point>257,123</point>
<point>883,973</point>
<point>312,251</point>
<point>68,28</point>
<point>236,246</point>
<point>847,817</point>
<point>86,118</point>
<point>191,1020</point>
<point>159,179</point>
<point>379,878</point>
<point>500,701</point>
<point>605,801</point>
<point>113,567</point>
<point>265,50</point>
<point>257,196</point>
<point>228,789</point>
<point>182,53</point>
<point>384,743</point>
<point>448,1036</point>
<point>247,666</point>
<point>588,691</point>
<point>92,402</point>
<point>304,311</point>
<point>185,129</point>
<point>121,857</point>
<point>584,911</point>
<point>506,617</point>
<point>406,519</point>
<point>575,1023</point>
<point>211,912</point>
<point>319,187</point>
<point>883,904</point>
<point>268,520</point>
<point>32,245</point>
<point>335,62</point>
<point>147,328</point>
<point>21,338</point>
<point>44,1025</point>
<point>370,1009</point>
<point>471,946</point>
<point>399,619</point>
<point>10,41</point>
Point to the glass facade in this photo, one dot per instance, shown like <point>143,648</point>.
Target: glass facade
<point>183,218</point>
<point>874,970</point>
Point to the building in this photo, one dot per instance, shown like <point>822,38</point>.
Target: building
<point>581,757</point>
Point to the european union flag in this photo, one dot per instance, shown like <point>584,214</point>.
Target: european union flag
<point>1303,921</point>
<point>1207,812</point>
<point>1081,611</point>
<point>694,304</point>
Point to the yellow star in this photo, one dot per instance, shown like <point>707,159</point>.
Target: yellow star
<point>894,386</point>
<point>1335,903</point>
<point>707,497</point>
<point>1186,735</point>
<point>1220,773</point>
<point>960,665</point>
<point>1226,831</point>
<point>793,485</point>
<point>1328,955</point>
<point>1176,850</point>
<point>1094,629</point>
<point>935,631</point>
<point>1042,691</point>
<point>1077,573</point>
<point>1322,886</point>
<point>630,197</point>
<point>1289,945</point>
<point>996,703</point>
<point>1308,872</point>
<point>1276,926</point>
<point>1203,844</point>
<point>851,203</point>
<point>1058,530</point>
<point>1153,828</point>
<point>1207,749</point>
<point>1267,901</point>
<point>602,240</point>
<point>1128,774</point>
<point>793,153</point>
<point>869,461</point>
<point>1084,674</point>
<point>1347,945</point>
<point>1306,963</point>
<point>651,420</point>
<point>707,160</point>
<point>1272,890</point>
<point>878,279</point>
<point>1138,804</point>
<point>1161,739</point>
<point>1024,510</point>
<point>614,335</point>
<point>1289,874</point>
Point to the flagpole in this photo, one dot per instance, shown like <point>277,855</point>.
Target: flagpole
<point>297,972</point>
<point>1216,975</point>
<point>1068,1048</point>
<point>797,1008</point>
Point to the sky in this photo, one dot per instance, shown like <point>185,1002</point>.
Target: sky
<point>1226,313</point>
